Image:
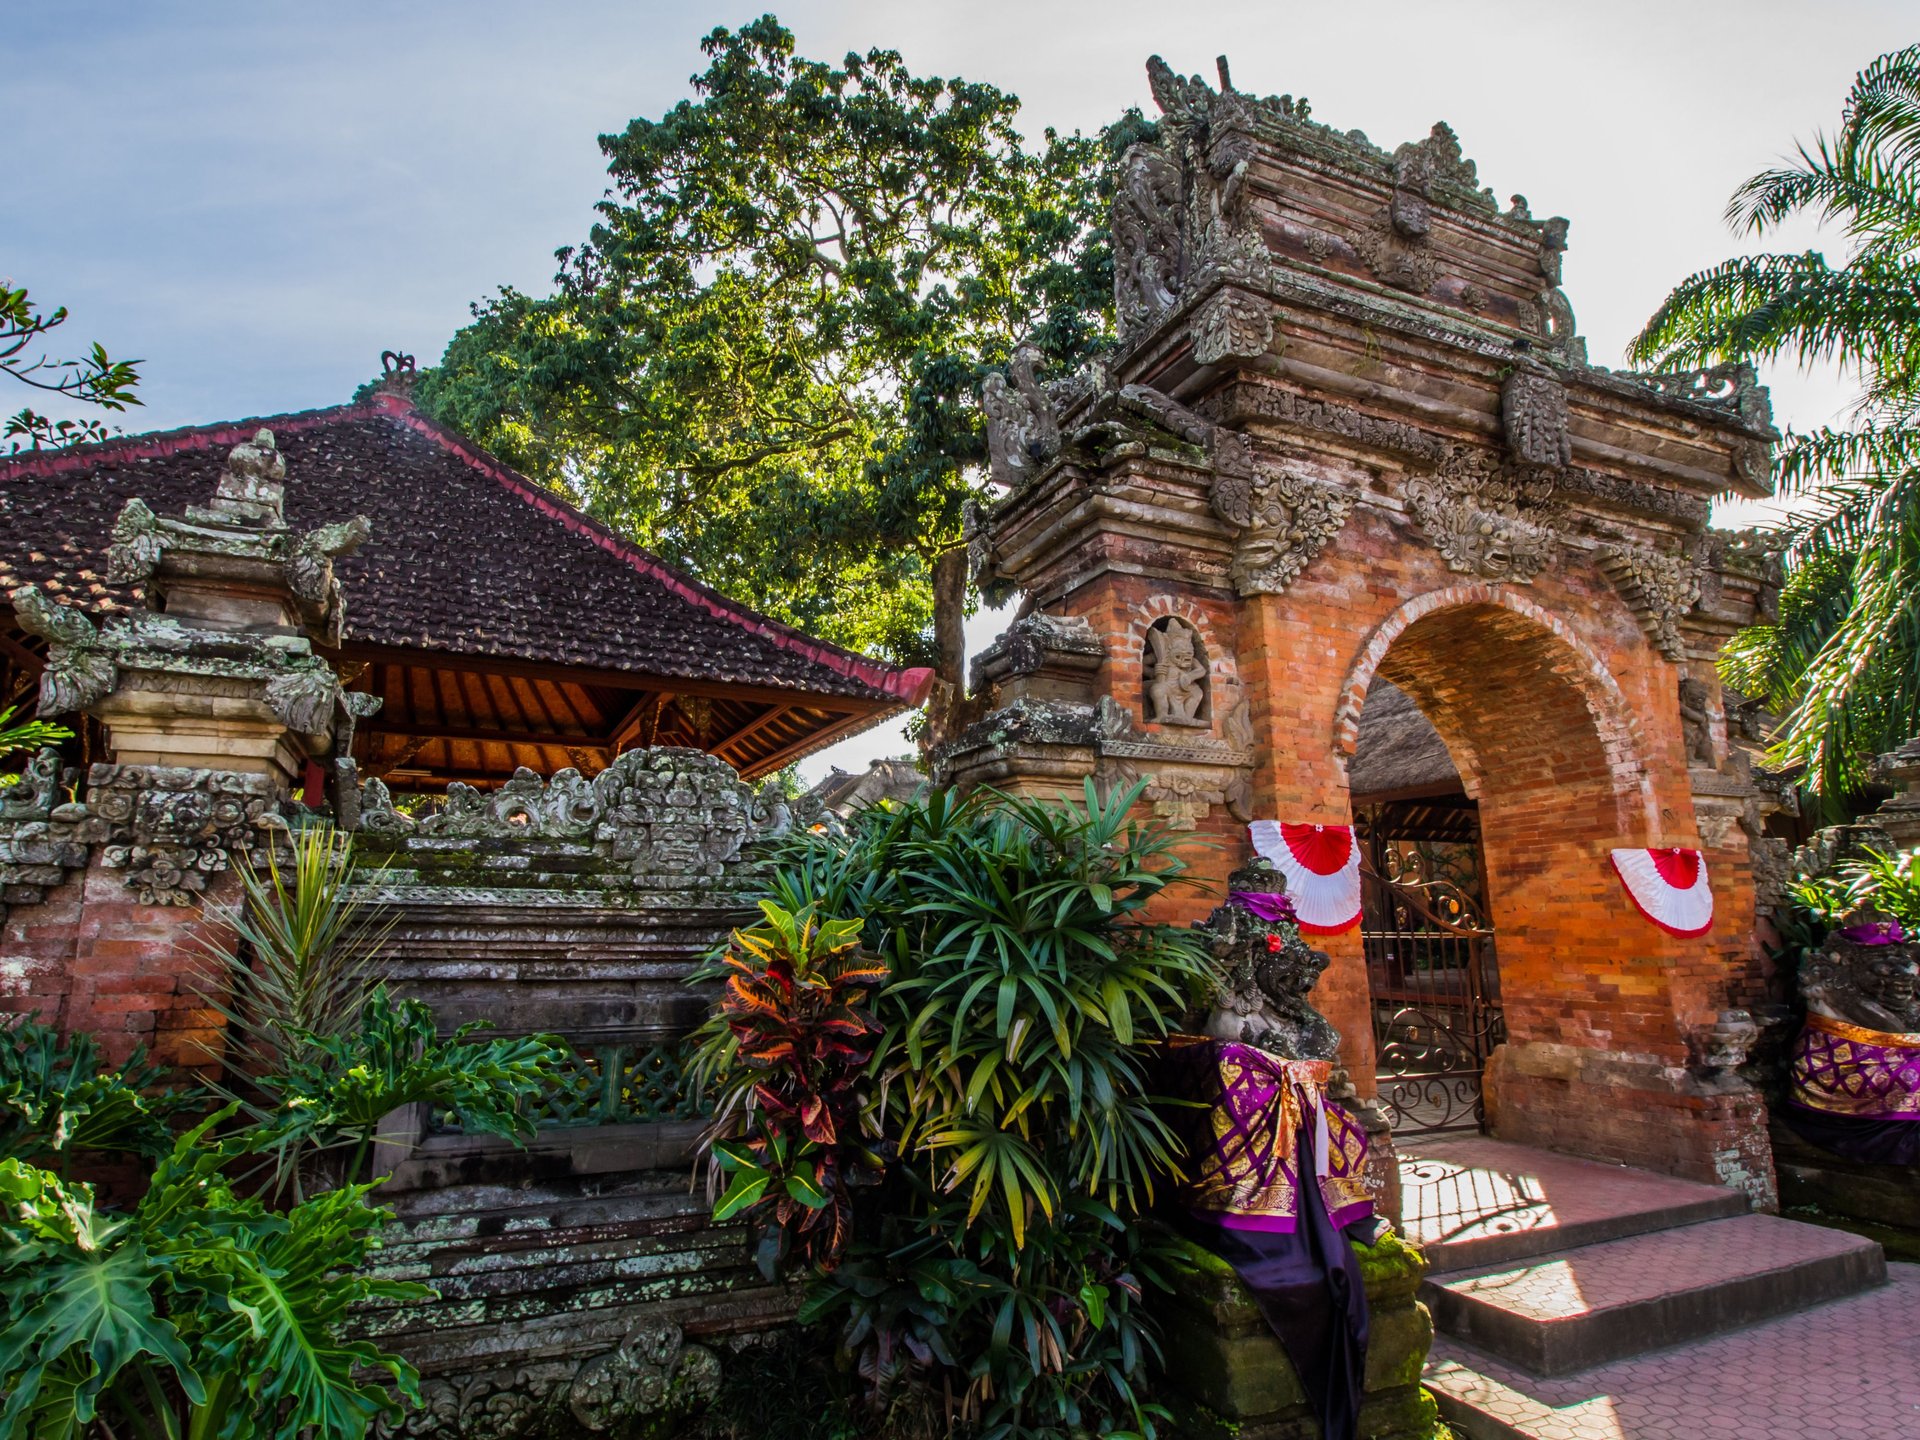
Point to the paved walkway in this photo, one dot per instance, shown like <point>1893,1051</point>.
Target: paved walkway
<point>1848,1370</point>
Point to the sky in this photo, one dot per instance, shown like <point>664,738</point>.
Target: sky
<point>257,199</point>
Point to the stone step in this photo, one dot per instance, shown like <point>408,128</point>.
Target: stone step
<point>1564,1312</point>
<point>1847,1370</point>
<point>1469,1201</point>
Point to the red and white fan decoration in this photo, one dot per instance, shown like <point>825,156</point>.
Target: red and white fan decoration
<point>1322,866</point>
<point>1669,887</point>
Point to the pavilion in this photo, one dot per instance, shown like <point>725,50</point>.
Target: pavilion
<point>500,626</point>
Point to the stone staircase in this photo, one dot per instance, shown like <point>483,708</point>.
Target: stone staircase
<point>1551,1276</point>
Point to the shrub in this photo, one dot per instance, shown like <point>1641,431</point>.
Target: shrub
<point>1005,1252</point>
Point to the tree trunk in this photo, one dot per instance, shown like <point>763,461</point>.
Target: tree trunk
<point>947,703</point>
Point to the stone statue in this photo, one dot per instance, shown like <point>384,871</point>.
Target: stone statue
<point>1268,972</point>
<point>1696,723</point>
<point>1176,675</point>
<point>1867,974</point>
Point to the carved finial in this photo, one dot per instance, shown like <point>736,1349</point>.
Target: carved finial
<point>1226,77</point>
<point>251,490</point>
<point>397,370</point>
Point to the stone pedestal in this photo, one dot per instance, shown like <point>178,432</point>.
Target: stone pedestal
<point>1232,1377</point>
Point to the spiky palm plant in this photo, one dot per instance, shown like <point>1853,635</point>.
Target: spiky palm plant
<point>1842,664</point>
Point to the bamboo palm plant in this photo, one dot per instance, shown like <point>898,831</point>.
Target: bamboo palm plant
<point>1842,663</point>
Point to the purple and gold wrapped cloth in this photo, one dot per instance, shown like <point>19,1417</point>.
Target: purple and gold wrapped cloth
<point>1260,1108</point>
<point>1856,1092</point>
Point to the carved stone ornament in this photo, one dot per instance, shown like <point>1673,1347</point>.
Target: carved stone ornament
<point>1284,520</point>
<point>1392,256</point>
<point>80,668</point>
<point>672,814</point>
<point>1175,674</point>
<point>1231,325</point>
<point>1696,723</point>
<point>1659,588</point>
<point>171,829</point>
<point>651,1383</point>
<point>37,790</point>
<point>1022,430</point>
<point>1533,411</point>
<point>1486,518</point>
<point>1267,972</point>
<point>1552,312</point>
<point>1146,239</point>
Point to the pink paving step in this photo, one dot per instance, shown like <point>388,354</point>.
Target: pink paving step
<point>1849,1370</point>
<point>1558,1313</point>
<point>1470,1201</point>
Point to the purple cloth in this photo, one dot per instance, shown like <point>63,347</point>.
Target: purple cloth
<point>1270,906</point>
<point>1858,1138</point>
<point>1841,1069</point>
<point>1877,932</point>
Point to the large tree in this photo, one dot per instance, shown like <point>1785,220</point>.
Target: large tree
<point>764,361</point>
<point>1842,665</point>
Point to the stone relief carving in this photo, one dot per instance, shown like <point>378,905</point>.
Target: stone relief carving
<point>1232,325</point>
<point>1487,518</point>
<point>654,1378</point>
<point>1533,411</point>
<point>1146,239</point>
<point>80,667</point>
<point>1659,588</point>
<point>1554,313</point>
<point>1875,986</point>
<point>1268,973</point>
<point>1175,674</point>
<point>172,829</point>
<point>671,813</point>
<point>1284,520</point>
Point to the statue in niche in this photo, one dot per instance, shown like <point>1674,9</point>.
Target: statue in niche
<point>1176,675</point>
<point>1269,970</point>
<point>1867,974</point>
<point>1696,724</point>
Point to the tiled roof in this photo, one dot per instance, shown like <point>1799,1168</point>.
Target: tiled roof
<point>467,557</point>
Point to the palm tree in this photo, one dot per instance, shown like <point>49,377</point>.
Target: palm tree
<point>1842,663</point>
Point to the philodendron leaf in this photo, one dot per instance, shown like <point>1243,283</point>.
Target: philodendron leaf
<point>85,1313</point>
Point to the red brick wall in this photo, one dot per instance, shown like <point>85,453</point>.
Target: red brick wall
<point>92,958</point>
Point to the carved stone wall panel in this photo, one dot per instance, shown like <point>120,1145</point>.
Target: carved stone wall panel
<point>1533,411</point>
<point>172,829</point>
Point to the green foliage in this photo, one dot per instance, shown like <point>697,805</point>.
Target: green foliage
<point>764,362</point>
<point>1006,1252</point>
<point>16,736</point>
<point>786,1046</point>
<point>1843,664</point>
<point>55,1099</point>
<point>200,1314</point>
<point>292,974</point>
<point>336,1089</point>
<point>95,379</point>
<point>1889,882</point>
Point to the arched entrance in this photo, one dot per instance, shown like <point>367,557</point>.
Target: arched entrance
<point>1492,767</point>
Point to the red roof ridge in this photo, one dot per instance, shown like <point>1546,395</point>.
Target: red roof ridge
<point>153,444</point>
<point>907,685</point>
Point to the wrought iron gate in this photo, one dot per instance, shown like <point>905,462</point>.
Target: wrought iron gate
<point>1436,996</point>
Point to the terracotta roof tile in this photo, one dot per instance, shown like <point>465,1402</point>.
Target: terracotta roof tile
<point>467,556</point>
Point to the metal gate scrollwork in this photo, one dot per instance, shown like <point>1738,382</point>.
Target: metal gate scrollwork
<point>1436,994</point>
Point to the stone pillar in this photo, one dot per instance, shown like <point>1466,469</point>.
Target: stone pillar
<point>214,702</point>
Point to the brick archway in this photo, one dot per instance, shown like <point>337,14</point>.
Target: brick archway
<point>1461,648</point>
